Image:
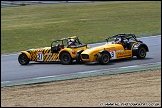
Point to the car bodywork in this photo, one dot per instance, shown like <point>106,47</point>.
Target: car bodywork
<point>130,47</point>
<point>58,51</point>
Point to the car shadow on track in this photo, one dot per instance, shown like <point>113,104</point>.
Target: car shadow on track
<point>44,63</point>
<point>112,62</point>
<point>51,62</point>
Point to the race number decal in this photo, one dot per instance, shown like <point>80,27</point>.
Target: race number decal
<point>113,54</point>
<point>39,56</point>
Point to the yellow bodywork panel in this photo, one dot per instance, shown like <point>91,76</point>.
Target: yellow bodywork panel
<point>73,51</point>
<point>27,53</point>
<point>116,51</point>
<point>45,54</point>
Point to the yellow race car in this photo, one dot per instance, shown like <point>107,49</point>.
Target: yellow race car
<point>123,46</point>
<point>63,50</point>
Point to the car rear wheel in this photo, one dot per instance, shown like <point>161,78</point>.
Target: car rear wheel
<point>78,59</point>
<point>66,58</point>
<point>141,53</point>
<point>104,58</point>
<point>23,59</point>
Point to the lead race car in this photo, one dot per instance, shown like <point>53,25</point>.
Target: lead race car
<point>123,46</point>
<point>63,50</point>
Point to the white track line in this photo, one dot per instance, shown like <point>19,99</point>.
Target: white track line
<point>86,72</point>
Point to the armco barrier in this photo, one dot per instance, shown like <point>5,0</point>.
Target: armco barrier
<point>23,3</point>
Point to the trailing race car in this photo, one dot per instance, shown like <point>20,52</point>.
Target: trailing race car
<point>63,50</point>
<point>123,46</point>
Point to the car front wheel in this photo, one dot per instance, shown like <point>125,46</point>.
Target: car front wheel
<point>79,59</point>
<point>104,58</point>
<point>23,59</point>
<point>65,58</point>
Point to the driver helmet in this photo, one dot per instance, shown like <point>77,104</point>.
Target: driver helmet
<point>117,40</point>
<point>71,42</point>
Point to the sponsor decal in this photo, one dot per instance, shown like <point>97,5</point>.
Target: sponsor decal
<point>120,51</point>
<point>123,54</point>
<point>71,50</point>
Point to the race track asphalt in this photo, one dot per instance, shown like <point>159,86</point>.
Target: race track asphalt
<point>11,70</point>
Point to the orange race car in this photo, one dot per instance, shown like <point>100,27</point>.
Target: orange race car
<point>123,46</point>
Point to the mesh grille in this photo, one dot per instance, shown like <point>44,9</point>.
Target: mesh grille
<point>85,56</point>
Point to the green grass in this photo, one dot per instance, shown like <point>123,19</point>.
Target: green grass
<point>36,26</point>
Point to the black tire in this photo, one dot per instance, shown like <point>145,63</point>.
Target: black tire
<point>78,59</point>
<point>104,58</point>
<point>23,59</point>
<point>65,58</point>
<point>141,53</point>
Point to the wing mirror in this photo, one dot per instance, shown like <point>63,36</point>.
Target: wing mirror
<point>106,40</point>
